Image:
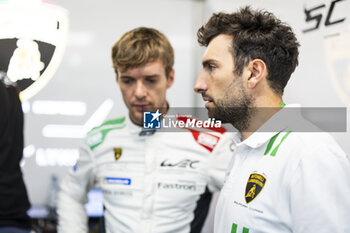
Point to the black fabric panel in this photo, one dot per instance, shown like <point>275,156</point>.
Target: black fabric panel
<point>201,211</point>
<point>14,201</point>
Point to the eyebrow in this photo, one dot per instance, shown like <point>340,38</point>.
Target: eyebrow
<point>146,76</point>
<point>126,77</point>
<point>152,76</point>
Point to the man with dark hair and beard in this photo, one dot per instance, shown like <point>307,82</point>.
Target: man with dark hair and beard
<point>281,180</point>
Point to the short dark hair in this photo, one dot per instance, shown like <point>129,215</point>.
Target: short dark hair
<point>256,34</point>
<point>142,45</point>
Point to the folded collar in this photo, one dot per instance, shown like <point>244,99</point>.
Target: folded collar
<point>280,121</point>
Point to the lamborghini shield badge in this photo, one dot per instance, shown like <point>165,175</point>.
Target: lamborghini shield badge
<point>254,186</point>
<point>117,153</point>
<point>33,36</point>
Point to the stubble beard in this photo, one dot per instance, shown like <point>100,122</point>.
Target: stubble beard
<point>237,112</point>
<point>136,118</point>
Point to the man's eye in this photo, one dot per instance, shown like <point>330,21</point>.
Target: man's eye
<point>210,67</point>
<point>151,81</point>
<point>127,81</point>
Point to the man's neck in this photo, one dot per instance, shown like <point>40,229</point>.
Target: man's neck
<point>265,109</point>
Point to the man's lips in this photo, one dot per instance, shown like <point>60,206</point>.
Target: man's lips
<point>208,101</point>
<point>141,107</point>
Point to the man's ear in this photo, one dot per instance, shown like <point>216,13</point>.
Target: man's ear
<point>170,78</point>
<point>258,71</point>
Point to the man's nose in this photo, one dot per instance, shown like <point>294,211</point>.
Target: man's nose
<point>141,90</point>
<point>200,85</point>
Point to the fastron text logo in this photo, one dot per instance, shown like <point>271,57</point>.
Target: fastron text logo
<point>183,187</point>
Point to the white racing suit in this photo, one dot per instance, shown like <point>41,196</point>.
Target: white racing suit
<point>153,182</point>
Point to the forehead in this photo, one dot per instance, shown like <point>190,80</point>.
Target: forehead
<point>219,48</point>
<point>151,68</point>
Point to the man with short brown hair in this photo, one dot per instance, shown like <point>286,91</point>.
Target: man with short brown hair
<point>152,182</point>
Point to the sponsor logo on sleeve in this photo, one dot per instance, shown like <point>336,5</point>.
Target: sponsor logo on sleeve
<point>124,193</point>
<point>207,140</point>
<point>116,180</point>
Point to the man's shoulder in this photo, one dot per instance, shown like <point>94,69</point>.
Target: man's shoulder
<point>97,135</point>
<point>314,143</point>
<point>311,139</point>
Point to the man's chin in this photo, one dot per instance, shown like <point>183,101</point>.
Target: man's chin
<point>217,114</point>
<point>212,113</point>
<point>136,117</point>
